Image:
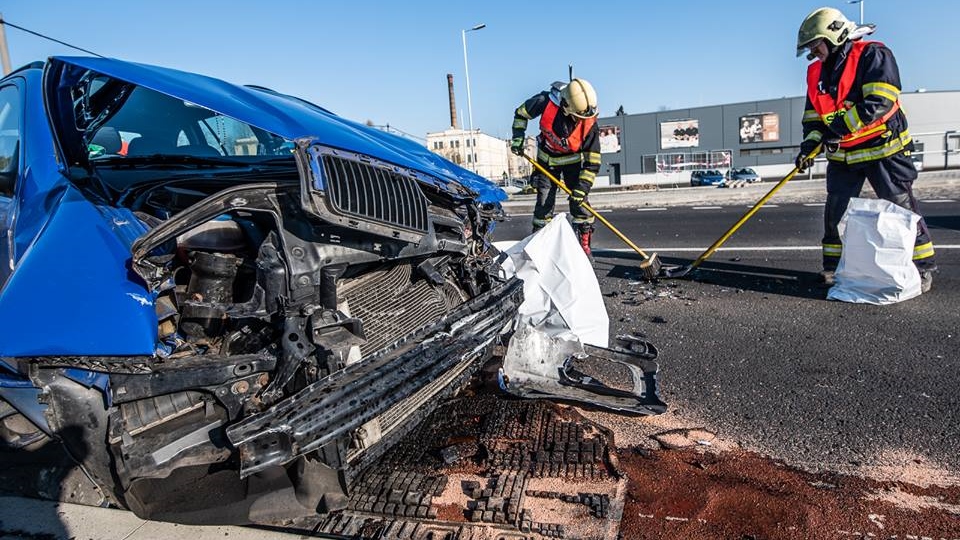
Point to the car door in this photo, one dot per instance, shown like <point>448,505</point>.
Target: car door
<point>10,147</point>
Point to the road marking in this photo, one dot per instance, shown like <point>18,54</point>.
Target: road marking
<point>521,214</point>
<point>707,207</point>
<point>814,204</point>
<point>934,201</point>
<point>747,248</point>
<point>650,209</point>
<point>765,206</point>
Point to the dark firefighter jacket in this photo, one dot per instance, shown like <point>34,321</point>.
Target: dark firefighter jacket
<point>588,155</point>
<point>873,92</point>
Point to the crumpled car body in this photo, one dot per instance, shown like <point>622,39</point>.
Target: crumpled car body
<point>223,300</point>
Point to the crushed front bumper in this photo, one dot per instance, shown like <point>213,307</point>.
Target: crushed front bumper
<point>405,370</point>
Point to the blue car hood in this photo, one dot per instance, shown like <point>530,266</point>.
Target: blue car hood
<point>282,115</point>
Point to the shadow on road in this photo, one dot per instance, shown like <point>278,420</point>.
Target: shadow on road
<point>779,281</point>
<point>943,222</point>
<point>40,471</point>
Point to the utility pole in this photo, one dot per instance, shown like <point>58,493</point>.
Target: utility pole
<point>4,52</point>
<point>861,8</point>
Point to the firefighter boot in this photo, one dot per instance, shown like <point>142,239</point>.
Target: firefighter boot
<point>584,232</point>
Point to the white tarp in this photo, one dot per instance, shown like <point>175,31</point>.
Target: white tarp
<point>876,265</point>
<point>561,295</point>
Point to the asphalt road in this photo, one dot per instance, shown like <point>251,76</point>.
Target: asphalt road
<point>750,348</point>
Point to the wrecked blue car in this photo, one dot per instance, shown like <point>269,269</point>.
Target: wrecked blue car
<point>225,301</point>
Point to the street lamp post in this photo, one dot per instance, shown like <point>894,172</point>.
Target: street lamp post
<point>861,8</point>
<point>466,73</point>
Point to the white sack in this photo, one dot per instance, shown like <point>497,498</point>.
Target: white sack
<point>561,295</point>
<point>876,265</point>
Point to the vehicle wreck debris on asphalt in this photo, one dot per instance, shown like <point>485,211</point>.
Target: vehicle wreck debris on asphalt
<point>265,296</point>
<point>559,349</point>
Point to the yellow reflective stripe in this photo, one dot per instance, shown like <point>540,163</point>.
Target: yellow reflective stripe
<point>852,120</point>
<point>588,176</point>
<point>810,115</point>
<point>861,135</point>
<point>519,123</point>
<point>882,89</point>
<point>578,220</point>
<point>556,161</point>
<point>814,136</point>
<point>832,250</point>
<point>542,222</point>
<point>894,145</point>
<point>592,157</point>
<point>923,251</point>
<point>522,112</point>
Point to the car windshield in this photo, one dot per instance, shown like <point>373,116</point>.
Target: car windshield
<point>150,123</point>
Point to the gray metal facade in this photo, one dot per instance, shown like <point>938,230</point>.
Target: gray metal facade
<point>719,129</point>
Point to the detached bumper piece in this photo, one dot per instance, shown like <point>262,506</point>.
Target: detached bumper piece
<point>617,380</point>
<point>335,406</point>
<point>541,366</point>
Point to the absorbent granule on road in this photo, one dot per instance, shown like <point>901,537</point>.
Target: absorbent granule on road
<point>489,466</point>
<point>690,495</point>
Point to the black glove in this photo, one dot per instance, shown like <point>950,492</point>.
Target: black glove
<point>578,196</point>
<point>516,146</point>
<point>804,160</point>
<point>831,143</point>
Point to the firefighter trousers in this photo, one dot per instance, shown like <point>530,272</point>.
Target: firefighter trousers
<point>547,196</point>
<point>892,180</point>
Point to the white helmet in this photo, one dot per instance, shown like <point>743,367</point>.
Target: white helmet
<point>579,99</point>
<point>826,23</point>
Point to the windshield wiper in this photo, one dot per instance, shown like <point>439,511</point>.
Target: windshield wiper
<point>169,159</point>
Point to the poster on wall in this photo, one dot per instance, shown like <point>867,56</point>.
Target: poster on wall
<point>679,134</point>
<point>609,139</point>
<point>759,127</point>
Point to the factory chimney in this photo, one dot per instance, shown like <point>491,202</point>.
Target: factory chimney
<point>453,103</point>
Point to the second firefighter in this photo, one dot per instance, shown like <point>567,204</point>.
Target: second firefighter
<point>568,146</point>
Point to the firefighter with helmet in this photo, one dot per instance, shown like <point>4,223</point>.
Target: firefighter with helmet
<point>853,109</point>
<point>568,146</point>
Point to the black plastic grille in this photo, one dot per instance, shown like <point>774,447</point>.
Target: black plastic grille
<point>375,193</point>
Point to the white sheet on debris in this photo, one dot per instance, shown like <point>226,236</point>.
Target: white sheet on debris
<point>561,294</point>
<point>876,265</point>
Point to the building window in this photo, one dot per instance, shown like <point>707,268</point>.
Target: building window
<point>469,158</point>
<point>468,143</point>
<point>456,143</point>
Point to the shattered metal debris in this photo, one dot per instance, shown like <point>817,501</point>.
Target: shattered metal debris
<point>513,443</point>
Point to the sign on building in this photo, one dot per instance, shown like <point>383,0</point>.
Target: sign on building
<point>609,139</point>
<point>679,134</point>
<point>759,127</point>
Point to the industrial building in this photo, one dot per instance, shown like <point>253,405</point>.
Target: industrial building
<point>664,147</point>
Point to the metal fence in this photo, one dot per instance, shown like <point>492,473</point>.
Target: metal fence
<point>686,161</point>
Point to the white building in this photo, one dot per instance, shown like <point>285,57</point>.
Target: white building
<point>485,155</point>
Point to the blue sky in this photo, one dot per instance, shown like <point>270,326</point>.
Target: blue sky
<point>387,61</point>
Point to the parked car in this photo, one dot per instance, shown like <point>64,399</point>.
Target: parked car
<point>223,300</point>
<point>745,174</point>
<point>706,177</point>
